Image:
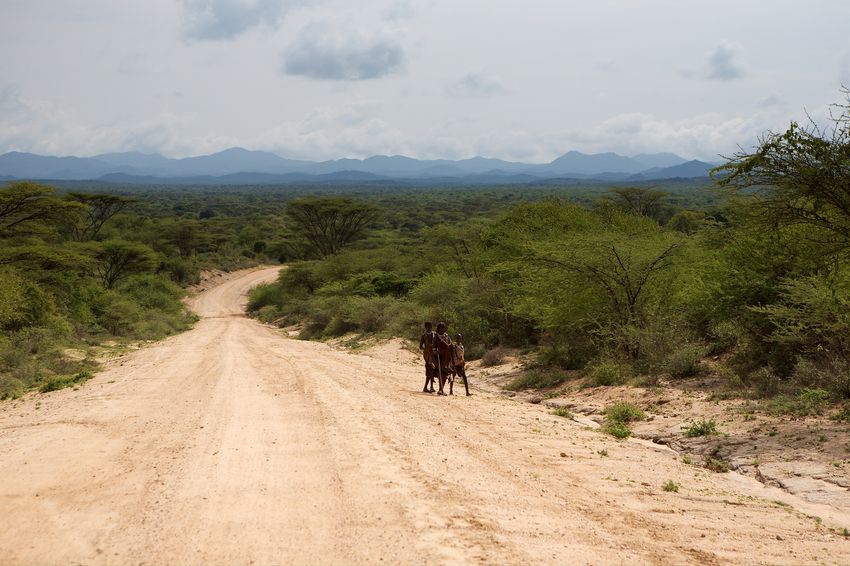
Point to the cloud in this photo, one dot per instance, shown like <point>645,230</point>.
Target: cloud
<point>722,65</point>
<point>476,85</point>
<point>325,52</point>
<point>399,10</point>
<point>227,19</point>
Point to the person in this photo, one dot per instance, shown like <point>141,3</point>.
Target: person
<point>426,344</point>
<point>443,355</point>
<point>458,365</point>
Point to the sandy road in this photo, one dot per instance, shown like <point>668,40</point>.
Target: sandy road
<point>230,444</point>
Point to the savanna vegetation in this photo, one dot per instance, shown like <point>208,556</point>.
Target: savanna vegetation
<point>78,269</point>
<point>624,283</point>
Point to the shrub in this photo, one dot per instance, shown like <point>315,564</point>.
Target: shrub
<point>617,429</point>
<point>843,415</point>
<point>57,383</point>
<point>701,428</point>
<point>563,412</point>
<point>607,373</point>
<point>717,465</point>
<point>670,486</point>
<point>686,361</point>
<point>537,379</point>
<point>805,403</point>
<point>624,412</point>
<point>493,357</point>
<point>765,382</point>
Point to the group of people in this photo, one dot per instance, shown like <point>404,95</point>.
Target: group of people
<point>443,359</point>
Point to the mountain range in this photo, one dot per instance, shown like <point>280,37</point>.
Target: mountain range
<point>242,166</point>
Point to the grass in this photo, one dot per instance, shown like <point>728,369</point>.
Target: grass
<point>537,379</point>
<point>701,428</point>
<point>624,412</point>
<point>717,465</point>
<point>687,460</point>
<point>806,403</point>
<point>617,417</point>
<point>670,486</point>
<point>607,374</point>
<point>563,412</point>
<point>617,429</point>
<point>843,415</point>
<point>61,382</point>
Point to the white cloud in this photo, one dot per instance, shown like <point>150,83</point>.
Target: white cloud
<point>477,85</point>
<point>326,51</point>
<point>227,19</point>
<point>722,64</point>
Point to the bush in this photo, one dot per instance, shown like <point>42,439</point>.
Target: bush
<point>670,486</point>
<point>617,429</point>
<point>843,415</point>
<point>765,382</point>
<point>686,361</point>
<point>537,379</point>
<point>607,373</point>
<point>563,412</point>
<point>624,412</point>
<point>493,357</point>
<point>57,383</point>
<point>807,402</point>
<point>701,428</point>
<point>717,465</point>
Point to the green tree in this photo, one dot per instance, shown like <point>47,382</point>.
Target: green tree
<point>329,224</point>
<point>96,210</point>
<point>799,177</point>
<point>29,208</point>
<point>116,259</point>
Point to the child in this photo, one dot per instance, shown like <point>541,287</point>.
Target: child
<point>458,364</point>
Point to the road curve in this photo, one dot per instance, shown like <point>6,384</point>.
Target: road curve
<point>231,444</point>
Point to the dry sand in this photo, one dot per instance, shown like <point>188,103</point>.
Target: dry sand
<point>232,444</point>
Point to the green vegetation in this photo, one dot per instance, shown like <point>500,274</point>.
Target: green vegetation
<point>80,268</point>
<point>617,429</point>
<point>617,417</point>
<point>623,283</point>
<point>624,412</point>
<point>563,412</point>
<point>670,486</point>
<point>701,428</point>
<point>806,402</point>
<point>537,379</point>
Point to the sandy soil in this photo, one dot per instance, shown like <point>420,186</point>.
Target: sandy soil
<point>231,444</point>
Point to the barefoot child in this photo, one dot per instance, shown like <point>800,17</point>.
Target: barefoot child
<point>458,364</point>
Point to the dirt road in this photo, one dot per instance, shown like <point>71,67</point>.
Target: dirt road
<point>231,444</point>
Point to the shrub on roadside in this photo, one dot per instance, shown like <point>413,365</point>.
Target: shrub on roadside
<point>492,357</point>
<point>537,379</point>
<point>607,373</point>
<point>701,428</point>
<point>624,412</point>
<point>617,429</point>
<point>685,361</point>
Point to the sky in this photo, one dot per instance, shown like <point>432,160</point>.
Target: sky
<point>323,79</point>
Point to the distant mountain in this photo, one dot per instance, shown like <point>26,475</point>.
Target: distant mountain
<point>136,160</point>
<point>687,170</point>
<point>261,167</point>
<point>593,164</point>
<point>650,160</point>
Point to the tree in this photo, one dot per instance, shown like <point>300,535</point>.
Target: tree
<point>117,259</point>
<point>30,208</point>
<point>96,210</point>
<point>637,200</point>
<point>329,224</point>
<point>801,176</point>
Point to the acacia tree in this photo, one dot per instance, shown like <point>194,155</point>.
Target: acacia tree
<point>116,259</point>
<point>799,177</point>
<point>96,211</point>
<point>637,200</point>
<point>329,224</point>
<point>30,208</point>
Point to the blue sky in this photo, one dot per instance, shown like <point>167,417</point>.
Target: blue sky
<point>323,79</point>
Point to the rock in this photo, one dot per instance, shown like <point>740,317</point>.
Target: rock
<point>563,454</point>
<point>779,537</point>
